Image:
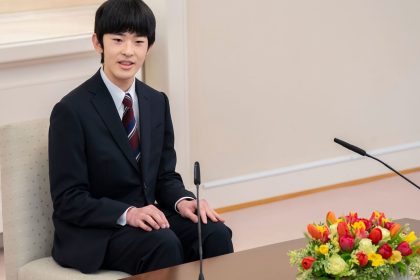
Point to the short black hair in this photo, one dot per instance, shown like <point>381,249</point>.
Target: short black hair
<point>119,16</point>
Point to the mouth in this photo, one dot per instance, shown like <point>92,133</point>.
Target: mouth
<point>126,64</point>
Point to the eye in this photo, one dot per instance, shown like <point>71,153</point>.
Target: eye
<point>117,40</point>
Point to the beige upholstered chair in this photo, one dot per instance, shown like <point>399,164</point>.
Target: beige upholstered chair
<point>27,207</point>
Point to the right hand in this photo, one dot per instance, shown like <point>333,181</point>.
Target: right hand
<point>147,218</point>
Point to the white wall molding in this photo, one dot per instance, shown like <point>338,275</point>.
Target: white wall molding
<point>309,165</point>
<point>312,175</point>
<point>46,33</point>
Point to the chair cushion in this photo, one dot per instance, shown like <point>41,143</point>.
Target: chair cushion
<point>48,269</point>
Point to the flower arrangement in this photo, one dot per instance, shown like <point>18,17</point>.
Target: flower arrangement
<point>350,247</point>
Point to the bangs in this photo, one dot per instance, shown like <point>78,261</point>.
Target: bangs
<point>119,16</point>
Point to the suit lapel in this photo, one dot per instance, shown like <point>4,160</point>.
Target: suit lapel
<point>145,125</point>
<point>105,106</point>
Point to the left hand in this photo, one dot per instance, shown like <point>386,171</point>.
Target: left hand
<point>187,209</point>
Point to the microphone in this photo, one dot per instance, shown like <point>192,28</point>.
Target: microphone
<point>197,182</point>
<point>364,153</point>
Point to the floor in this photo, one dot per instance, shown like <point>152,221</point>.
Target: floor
<point>287,219</point>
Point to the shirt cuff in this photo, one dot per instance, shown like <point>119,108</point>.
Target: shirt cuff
<point>122,220</point>
<point>179,200</point>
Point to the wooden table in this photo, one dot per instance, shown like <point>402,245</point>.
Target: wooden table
<point>268,263</point>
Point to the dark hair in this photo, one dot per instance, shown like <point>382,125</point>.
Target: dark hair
<point>119,16</point>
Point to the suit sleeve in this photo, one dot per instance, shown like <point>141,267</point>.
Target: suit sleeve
<point>69,175</point>
<point>169,186</point>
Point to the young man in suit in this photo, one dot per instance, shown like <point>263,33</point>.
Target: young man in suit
<point>118,202</point>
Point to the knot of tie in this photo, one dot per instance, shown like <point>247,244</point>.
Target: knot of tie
<point>127,101</point>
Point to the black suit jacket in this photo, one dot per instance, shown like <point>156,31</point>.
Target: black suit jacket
<point>94,176</point>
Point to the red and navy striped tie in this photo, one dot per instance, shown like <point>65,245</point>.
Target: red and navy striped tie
<point>130,125</point>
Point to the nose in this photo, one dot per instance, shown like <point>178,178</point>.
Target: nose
<point>128,49</point>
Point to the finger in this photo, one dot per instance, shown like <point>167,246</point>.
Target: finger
<point>190,215</point>
<point>203,214</point>
<point>212,215</point>
<point>143,226</point>
<point>218,217</point>
<point>164,220</point>
<point>151,221</point>
<point>157,215</point>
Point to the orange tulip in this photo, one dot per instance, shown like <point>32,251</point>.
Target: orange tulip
<point>331,219</point>
<point>314,232</point>
<point>395,229</point>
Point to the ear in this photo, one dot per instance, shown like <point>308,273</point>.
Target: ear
<point>96,44</point>
<point>148,48</point>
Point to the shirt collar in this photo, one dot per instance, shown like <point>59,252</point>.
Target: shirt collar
<point>117,94</point>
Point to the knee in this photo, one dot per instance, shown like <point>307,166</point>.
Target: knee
<point>217,239</point>
<point>169,242</point>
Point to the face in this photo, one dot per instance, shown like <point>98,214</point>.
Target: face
<point>124,55</point>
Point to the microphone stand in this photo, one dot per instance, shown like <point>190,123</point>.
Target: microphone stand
<point>197,181</point>
<point>364,153</point>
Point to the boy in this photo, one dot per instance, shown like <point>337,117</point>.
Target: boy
<point>118,202</point>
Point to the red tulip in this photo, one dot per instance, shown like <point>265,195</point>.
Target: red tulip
<point>362,258</point>
<point>404,248</point>
<point>385,251</point>
<point>307,262</point>
<point>343,229</point>
<point>346,243</point>
<point>351,218</point>
<point>388,225</point>
<point>368,224</point>
<point>375,235</point>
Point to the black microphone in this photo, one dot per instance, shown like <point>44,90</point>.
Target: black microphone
<point>197,182</point>
<point>363,153</point>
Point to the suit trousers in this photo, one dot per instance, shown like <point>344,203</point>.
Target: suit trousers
<point>135,251</point>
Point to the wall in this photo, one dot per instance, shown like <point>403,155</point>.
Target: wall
<point>257,90</point>
<point>271,83</point>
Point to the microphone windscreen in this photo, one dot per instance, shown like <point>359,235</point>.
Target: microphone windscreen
<point>197,176</point>
<point>350,147</point>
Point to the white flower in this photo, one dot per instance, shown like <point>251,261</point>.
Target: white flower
<point>335,265</point>
<point>386,235</point>
<point>366,246</point>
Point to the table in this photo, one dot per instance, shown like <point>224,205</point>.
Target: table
<point>268,263</point>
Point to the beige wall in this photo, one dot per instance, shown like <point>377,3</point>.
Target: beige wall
<point>10,6</point>
<point>271,83</point>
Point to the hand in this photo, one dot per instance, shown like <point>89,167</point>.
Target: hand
<point>187,209</point>
<point>147,218</point>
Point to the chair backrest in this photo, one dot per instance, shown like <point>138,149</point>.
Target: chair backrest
<point>26,200</point>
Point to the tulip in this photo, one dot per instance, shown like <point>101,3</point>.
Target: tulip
<point>314,232</point>
<point>346,243</point>
<point>368,224</point>
<point>362,259</point>
<point>388,225</point>
<point>307,262</point>
<point>360,233</point>
<point>385,251</point>
<point>351,218</point>
<point>331,219</point>
<point>395,228</point>
<point>375,235</point>
<point>404,248</point>
<point>343,229</point>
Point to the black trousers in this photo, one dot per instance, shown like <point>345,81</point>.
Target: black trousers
<point>135,251</point>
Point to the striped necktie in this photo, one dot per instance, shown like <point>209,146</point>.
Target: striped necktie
<point>130,125</point>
